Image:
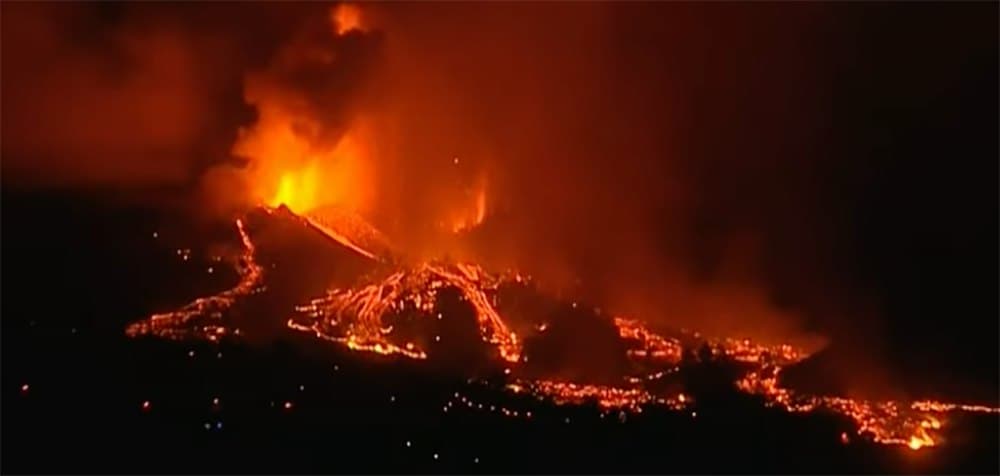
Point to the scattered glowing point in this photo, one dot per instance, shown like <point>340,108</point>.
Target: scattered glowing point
<point>25,388</point>
<point>156,235</point>
<point>915,443</point>
<point>210,270</point>
<point>146,405</point>
<point>506,371</point>
<point>408,443</point>
<point>694,414</point>
<point>437,338</point>
<point>215,401</point>
<point>681,398</point>
<point>439,316</point>
<point>190,353</point>
<point>73,330</point>
<point>392,398</point>
<point>288,405</point>
<point>219,355</point>
<point>454,160</point>
<point>218,425</point>
<point>336,368</point>
<point>302,388</point>
<point>567,420</point>
<point>844,438</point>
<point>476,460</point>
<point>435,456</point>
<point>208,426</point>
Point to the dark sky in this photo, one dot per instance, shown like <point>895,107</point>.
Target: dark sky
<point>784,167</point>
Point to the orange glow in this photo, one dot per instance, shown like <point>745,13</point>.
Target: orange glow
<point>203,316</point>
<point>356,317</point>
<point>292,169</point>
<point>359,318</point>
<point>346,18</point>
<point>473,216</point>
<point>297,158</point>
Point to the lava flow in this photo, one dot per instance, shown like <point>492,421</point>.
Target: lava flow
<point>360,317</point>
<point>203,316</point>
<point>356,317</point>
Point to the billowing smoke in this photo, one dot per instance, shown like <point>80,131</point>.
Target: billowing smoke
<point>688,164</point>
<point>84,102</point>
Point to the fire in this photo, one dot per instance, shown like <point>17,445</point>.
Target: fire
<point>474,216</point>
<point>888,422</point>
<point>203,316</point>
<point>288,169</point>
<point>345,18</point>
<point>361,318</point>
<point>358,317</point>
<point>296,157</point>
<point>606,397</point>
<point>653,345</point>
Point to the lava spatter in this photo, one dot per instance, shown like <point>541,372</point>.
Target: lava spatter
<point>359,317</point>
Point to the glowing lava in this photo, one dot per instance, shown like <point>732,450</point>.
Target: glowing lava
<point>357,317</point>
<point>360,317</point>
<point>203,316</point>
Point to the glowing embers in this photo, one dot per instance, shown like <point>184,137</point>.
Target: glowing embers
<point>913,425</point>
<point>653,345</point>
<point>606,397</point>
<point>361,317</point>
<point>202,318</point>
<point>344,227</point>
<point>745,350</point>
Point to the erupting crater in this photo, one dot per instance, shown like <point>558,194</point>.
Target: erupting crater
<point>396,309</point>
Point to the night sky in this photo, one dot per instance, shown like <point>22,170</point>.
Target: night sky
<point>785,169</point>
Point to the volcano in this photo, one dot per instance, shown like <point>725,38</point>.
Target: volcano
<point>460,317</point>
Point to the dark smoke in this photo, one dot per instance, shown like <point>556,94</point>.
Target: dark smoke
<point>749,169</point>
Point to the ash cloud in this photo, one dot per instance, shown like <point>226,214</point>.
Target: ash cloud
<point>86,104</point>
<point>696,165</point>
